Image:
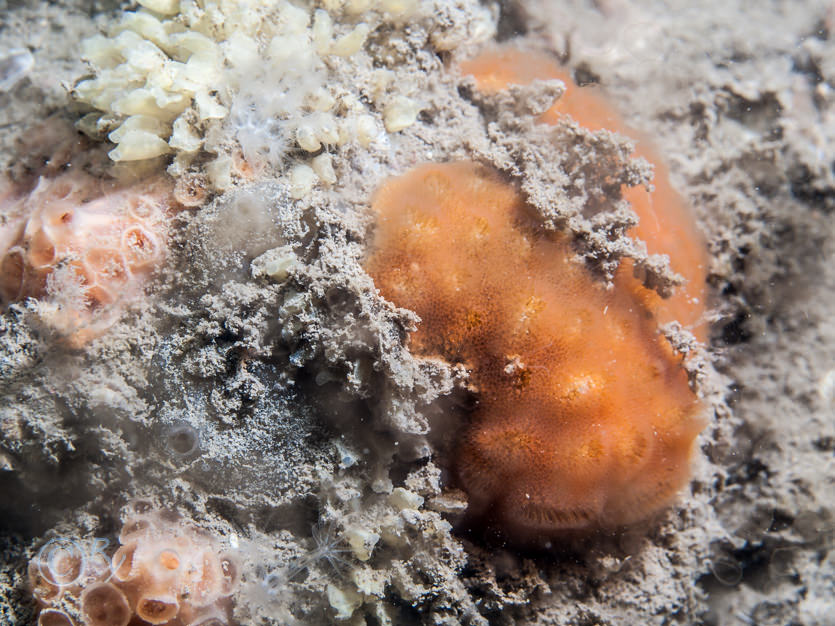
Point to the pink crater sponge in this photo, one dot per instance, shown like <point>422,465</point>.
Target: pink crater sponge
<point>166,571</point>
<point>82,246</point>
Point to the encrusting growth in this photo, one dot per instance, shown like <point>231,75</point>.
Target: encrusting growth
<point>165,572</point>
<point>585,415</point>
<point>86,246</point>
<point>250,86</point>
<point>666,225</point>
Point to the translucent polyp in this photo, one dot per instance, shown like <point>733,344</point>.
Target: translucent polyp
<point>54,617</point>
<point>123,562</point>
<point>157,608</point>
<point>103,604</point>
<point>43,590</point>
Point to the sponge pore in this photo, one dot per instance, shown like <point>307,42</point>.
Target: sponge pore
<point>585,416</point>
<point>104,604</point>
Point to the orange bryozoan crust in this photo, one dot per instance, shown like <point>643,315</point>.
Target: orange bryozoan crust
<point>585,416</point>
<point>666,225</point>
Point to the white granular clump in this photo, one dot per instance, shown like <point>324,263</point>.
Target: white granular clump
<point>248,80</point>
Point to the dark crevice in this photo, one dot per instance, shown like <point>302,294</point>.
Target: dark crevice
<point>512,22</point>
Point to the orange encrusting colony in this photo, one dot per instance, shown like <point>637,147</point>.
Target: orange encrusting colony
<point>165,571</point>
<point>585,416</point>
<point>109,238</point>
<point>666,225</point>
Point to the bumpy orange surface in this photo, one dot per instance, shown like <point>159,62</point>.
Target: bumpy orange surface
<point>585,416</point>
<point>666,225</point>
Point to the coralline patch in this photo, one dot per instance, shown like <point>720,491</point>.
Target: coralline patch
<point>585,417</point>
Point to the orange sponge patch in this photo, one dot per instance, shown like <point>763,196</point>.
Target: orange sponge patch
<point>106,243</point>
<point>585,416</point>
<point>666,225</point>
<point>499,68</point>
